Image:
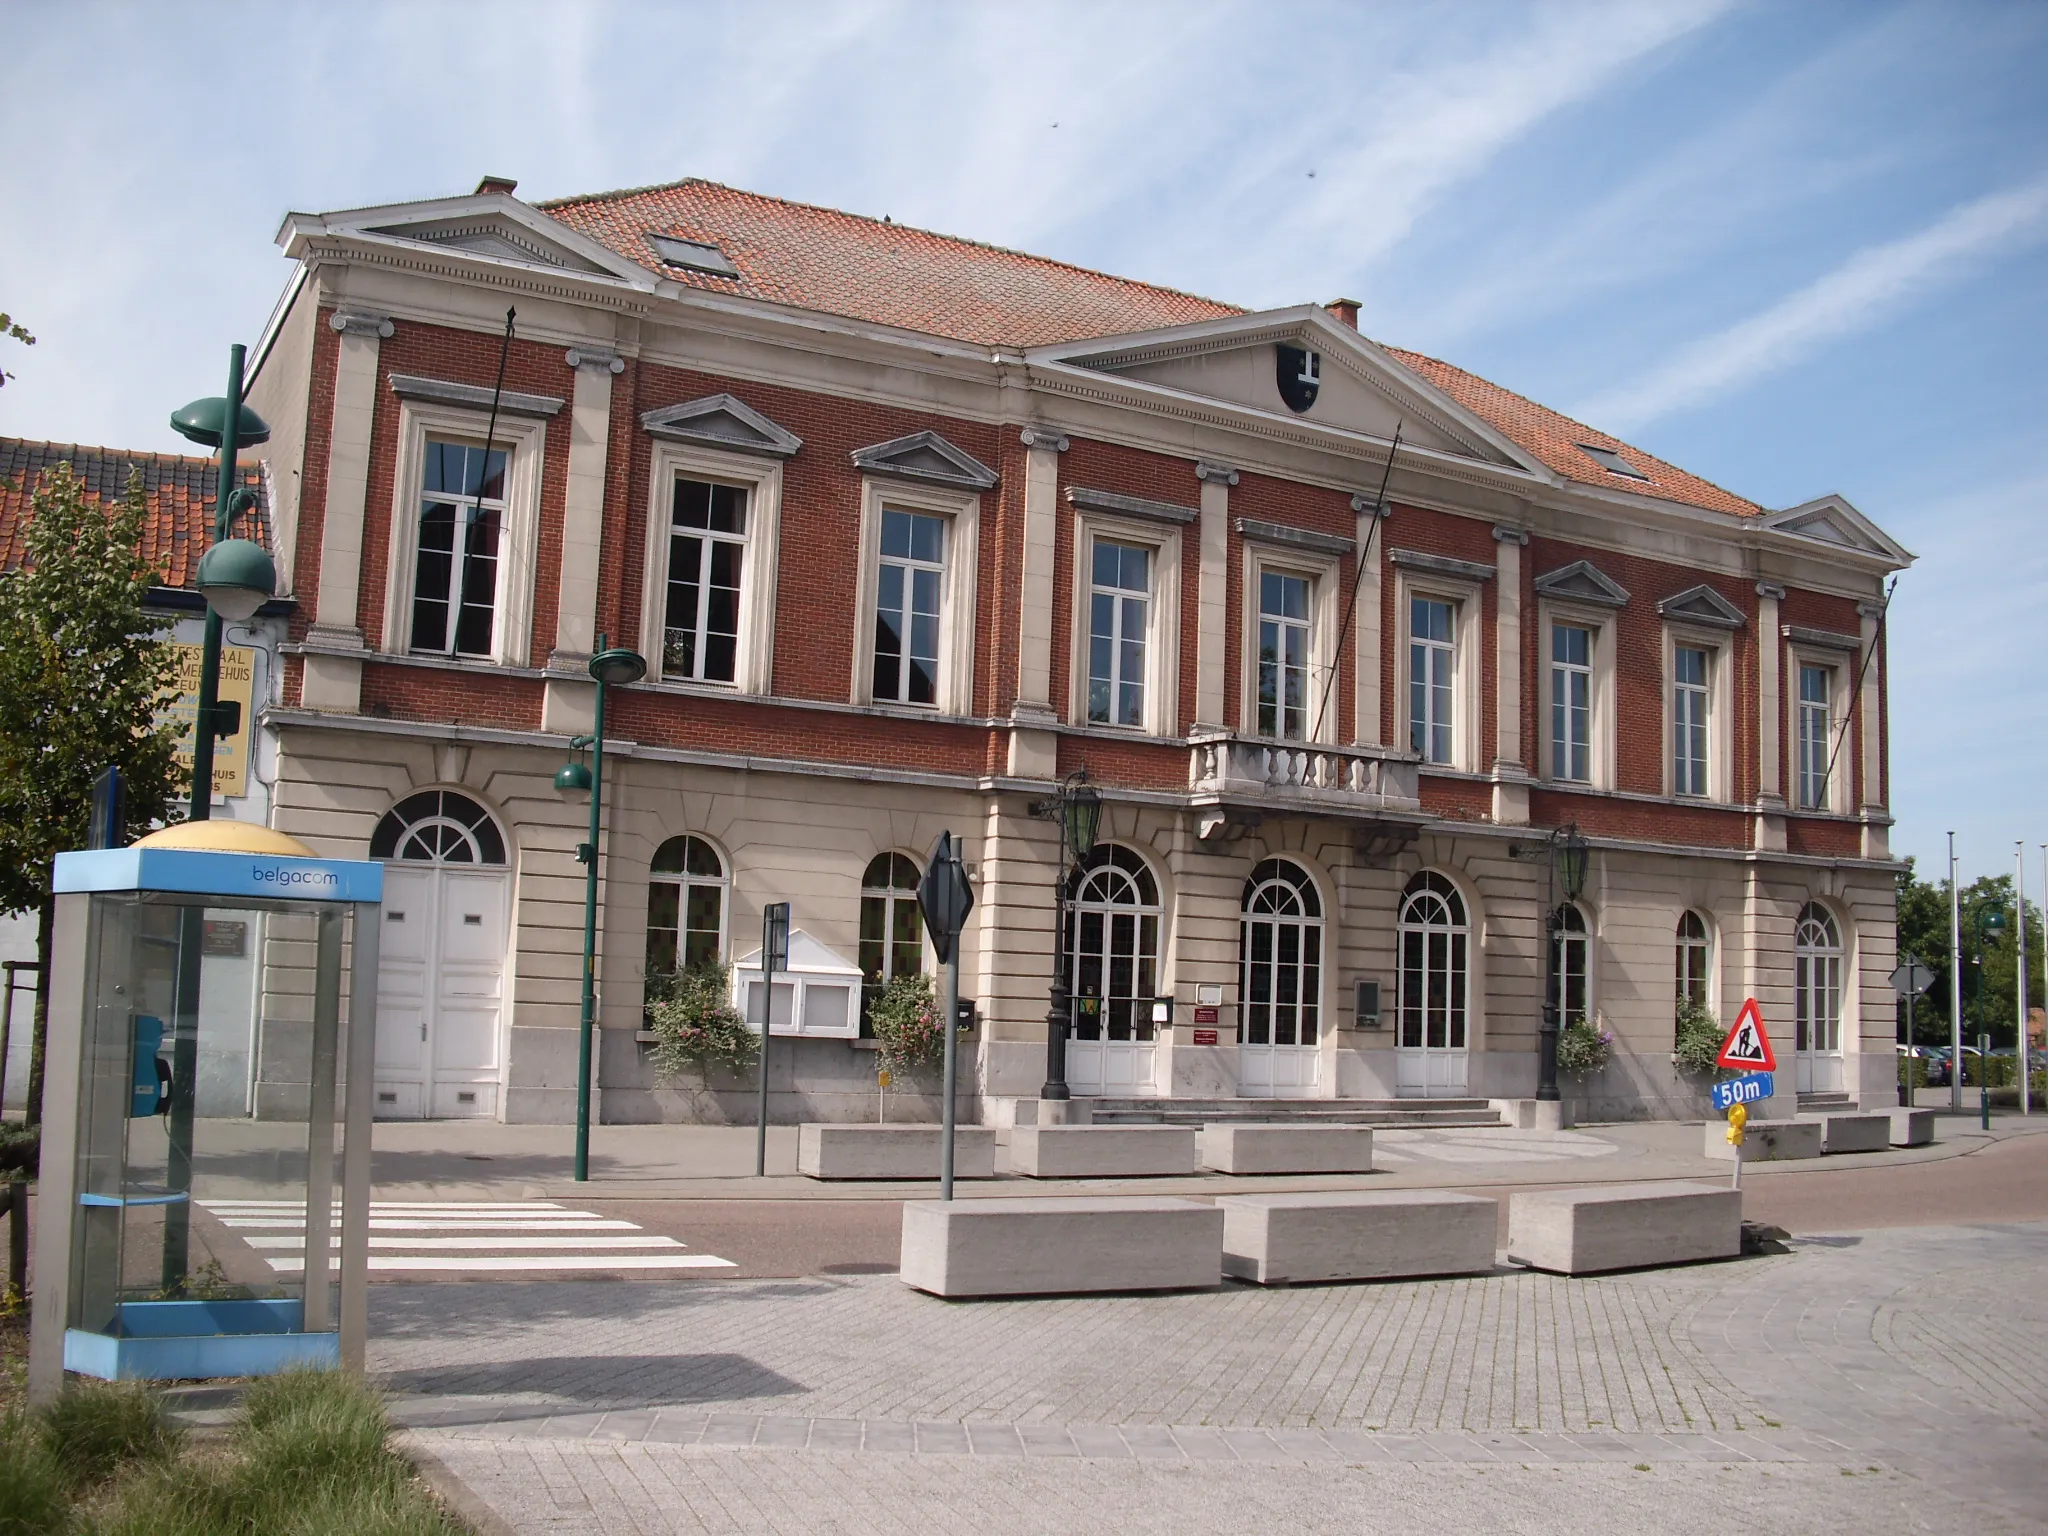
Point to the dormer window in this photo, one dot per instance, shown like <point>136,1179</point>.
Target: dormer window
<point>696,255</point>
<point>1612,461</point>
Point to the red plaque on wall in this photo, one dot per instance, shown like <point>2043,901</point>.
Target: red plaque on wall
<point>1205,1037</point>
<point>1205,1016</point>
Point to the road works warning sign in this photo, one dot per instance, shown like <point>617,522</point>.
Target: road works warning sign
<point>1748,1048</point>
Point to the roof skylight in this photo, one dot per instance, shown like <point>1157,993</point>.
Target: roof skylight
<point>697,255</point>
<point>1612,462</point>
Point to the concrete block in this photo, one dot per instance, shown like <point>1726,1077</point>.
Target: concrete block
<point>1911,1127</point>
<point>1252,1148</point>
<point>1050,1246</point>
<point>1774,1141</point>
<point>1357,1235</point>
<point>892,1151</point>
<point>1853,1132</point>
<point>1103,1151</point>
<point>1623,1226</point>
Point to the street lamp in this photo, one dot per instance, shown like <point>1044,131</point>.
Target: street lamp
<point>1077,807</point>
<point>1566,866</point>
<point>611,665</point>
<point>236,578</point>
<point>1988,919</point>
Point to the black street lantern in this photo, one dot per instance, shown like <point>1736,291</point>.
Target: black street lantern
<point>1567,867</point>
<point>1077,808</point>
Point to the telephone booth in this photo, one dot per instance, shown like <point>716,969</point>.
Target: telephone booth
<point>205,1177</point>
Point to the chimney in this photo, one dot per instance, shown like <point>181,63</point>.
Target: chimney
<point>1345,310</point>
<point>506,184</point>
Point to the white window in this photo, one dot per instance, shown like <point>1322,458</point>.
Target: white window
<point>686,900</point>
<point>1571,702</point>
<point>461,530</point>
<point>1284,655</point>
<point>1691,702</point>
<point>1433,978</point>
<point>1695,959</point>
<point>707,550</point>
<point>1432,673</point>
<point>1816,714</point>
<point>1817,982</point>
<point>1119,609</point>
<point>909,596</point>
<point>891,927</point>
<point>1574,966</point>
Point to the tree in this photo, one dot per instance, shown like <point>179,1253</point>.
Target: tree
<point>1924,934</point>
<point>82,676</point>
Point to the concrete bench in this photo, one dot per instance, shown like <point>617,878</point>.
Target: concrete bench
<point>1911,1127</point>
<point>892,1151</point>
<point>1357,1235</point>
<point>1853,1133</point>
<point>1103,1151</point>
<point>1253,1148</point>
<point>1623,1226</point>
<point>1051,1246</point>
<point>1772,1141</point>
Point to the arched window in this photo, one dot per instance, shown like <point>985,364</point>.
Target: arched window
<point>891,927</point>
<point>1280,956</point>
<point>1817,981</point>
<point>1112,943</point>
<point>1434,939</point>
<point>1574,969</point>
<point>686,888</point>
<point>438,826</point>
<point>1695,959</point>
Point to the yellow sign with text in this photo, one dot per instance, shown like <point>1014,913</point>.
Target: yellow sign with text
<point>237,682</point>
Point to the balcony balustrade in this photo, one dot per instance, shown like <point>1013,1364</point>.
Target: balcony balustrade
<point>1325,776</point>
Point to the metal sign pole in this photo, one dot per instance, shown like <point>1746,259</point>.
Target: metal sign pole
<point>773,917</point>
<point>945,898</point>
<point>952,1027</point>
<point>2019,907</point>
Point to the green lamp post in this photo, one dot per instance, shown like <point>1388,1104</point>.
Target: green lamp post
<point>1989,922</point>
<point>1566,851</point>
<point>611,665</point>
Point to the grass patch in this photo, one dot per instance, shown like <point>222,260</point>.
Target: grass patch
<point>32,1496</point>
<point>94,1428</point>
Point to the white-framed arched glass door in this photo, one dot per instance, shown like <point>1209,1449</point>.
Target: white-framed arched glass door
<point>1280,983</point>
<point>1817,1000</point>
<point>1434,984</point>
<point>441,1010</point>
<point>1112,943</point>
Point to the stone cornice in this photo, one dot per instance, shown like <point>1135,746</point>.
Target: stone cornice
<point>1441,565</point>
<point>1297,538</point>
<point>1130,506</point>
<point>409,386</point>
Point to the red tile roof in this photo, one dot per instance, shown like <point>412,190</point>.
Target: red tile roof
<point>890,274</point>
<point>178,490</point>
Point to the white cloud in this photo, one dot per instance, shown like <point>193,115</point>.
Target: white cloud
<point>1871,285</point>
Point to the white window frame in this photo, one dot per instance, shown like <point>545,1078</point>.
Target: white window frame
<point>1162,624</point>
<point>1321,573</point>
<point>684,881</point>
<point>1712,945</point>
<point>1839,665</point>
<point>1564,938</point>
<point>910,565</point>
<point>1720,712</point>
<point>1564,677</point>
<point>525,440</point>
<point>962,511</point>
<point>1464,598</point>
<point>1600,742</point>
<point>754,658</point>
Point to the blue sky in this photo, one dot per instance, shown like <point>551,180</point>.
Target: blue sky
<point>1796,248</point>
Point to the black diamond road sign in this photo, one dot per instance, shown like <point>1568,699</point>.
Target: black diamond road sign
<point>944,898</point>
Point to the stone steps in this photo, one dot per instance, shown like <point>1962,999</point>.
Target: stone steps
<point>1825,1103</point>
<point>1393,1113</point>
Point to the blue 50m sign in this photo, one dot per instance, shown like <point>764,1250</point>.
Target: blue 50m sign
<point>1746,1089</point>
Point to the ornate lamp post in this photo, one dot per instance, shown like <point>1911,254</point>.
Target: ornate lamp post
<point>610,666</point>
<point>1077,807</point>
<point>1566,867</point>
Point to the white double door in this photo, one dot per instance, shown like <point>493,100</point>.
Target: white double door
<point>441,992</point>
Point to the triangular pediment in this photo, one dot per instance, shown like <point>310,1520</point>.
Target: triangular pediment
<point>722,421</point>
<point>929,457</point>
<point>807,956</point>
<point>487,226</point>
<point>1702,605</point>
<point>1832,520</point>
<point>1582,582</point>
<point>1295,364</point>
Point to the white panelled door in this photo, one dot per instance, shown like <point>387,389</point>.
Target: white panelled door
<point>441,1012</point>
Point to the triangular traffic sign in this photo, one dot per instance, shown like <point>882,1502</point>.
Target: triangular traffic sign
<point>1748,1048</point>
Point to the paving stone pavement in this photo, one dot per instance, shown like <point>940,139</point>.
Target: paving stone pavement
<point>1889,1381</point>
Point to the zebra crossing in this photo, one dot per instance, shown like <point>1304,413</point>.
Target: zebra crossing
<point>466,1236</point>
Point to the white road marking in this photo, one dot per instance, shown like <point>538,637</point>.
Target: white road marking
<point>392,1261</point>
<point>467,1224</point>
<point>485,1244</point>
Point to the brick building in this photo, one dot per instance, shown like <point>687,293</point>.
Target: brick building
<point>908,527</point>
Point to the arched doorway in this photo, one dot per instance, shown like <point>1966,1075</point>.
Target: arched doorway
<point>1434,981</point>
<point>1817,1000</point>
<point>441,964</point>
<point>1112,943</point>
<point>1280,983</point>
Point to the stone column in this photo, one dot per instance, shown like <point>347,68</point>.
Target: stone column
<point>1366,655</point>
<point>1870,737</point>
<point>1510,770</point>
<point>1034,744</point>
<point>1770,716</point>
<point>333,677</point>
<point>1015,912</point>
<point>1212,618</point>
<point>569,704</point>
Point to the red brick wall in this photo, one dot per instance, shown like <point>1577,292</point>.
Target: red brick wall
<point>399,692</point>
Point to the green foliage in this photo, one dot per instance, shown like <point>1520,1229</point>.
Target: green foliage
<point>905,1018</point>
<point>31,1484</point>
<point>1697,1039</point>
<point>1582,1050</point>
<point>13,332</point>
<point>82,674</point>
<point>95,1427</point>
<point>20,1149</point>
<point>696,1027</point>
<point>1990,991</point>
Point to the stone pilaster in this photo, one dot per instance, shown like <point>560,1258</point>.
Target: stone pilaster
<point>1212,618</point>
<point>569,704</point>
<point>1510,769</point>
<point>335,681</point>
<point>1770,718</point>
<point>1034,744</point>
<point>1367,703</point>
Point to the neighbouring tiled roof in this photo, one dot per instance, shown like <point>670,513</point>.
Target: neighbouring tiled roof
<point>890,274</point>
<point>178,490</point>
